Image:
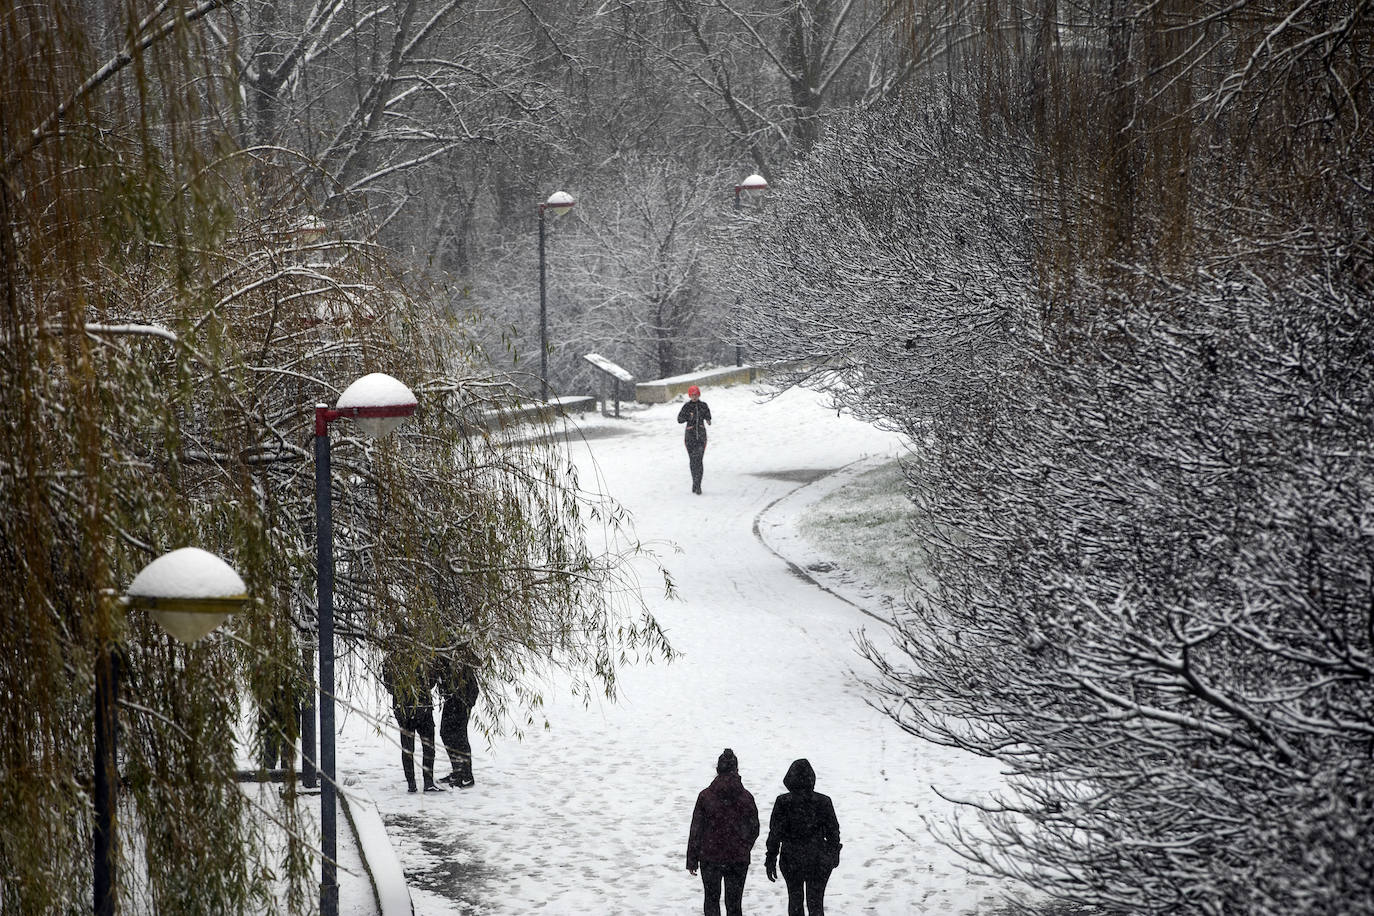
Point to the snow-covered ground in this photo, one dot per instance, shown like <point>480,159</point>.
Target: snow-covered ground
<point>591,815</point>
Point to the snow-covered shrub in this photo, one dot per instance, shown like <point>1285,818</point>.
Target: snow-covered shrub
<point>1145,459</point>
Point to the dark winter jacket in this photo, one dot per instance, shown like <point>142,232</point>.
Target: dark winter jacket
<point>803,825</point>
<point>455,679</point>
<point>696,415</point>
<point>409,684</point>
<point>725,823</point>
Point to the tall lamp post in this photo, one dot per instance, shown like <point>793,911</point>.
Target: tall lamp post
<point>559,202</point>
<point>750,187</point>
<point>189,592</point>
<point>378,403</point>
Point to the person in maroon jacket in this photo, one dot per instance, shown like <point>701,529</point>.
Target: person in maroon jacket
<point>804,830</point>
<point>697,416</point>
<point>725,825</point>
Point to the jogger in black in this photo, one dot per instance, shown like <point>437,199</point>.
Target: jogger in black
<point>697,416</point>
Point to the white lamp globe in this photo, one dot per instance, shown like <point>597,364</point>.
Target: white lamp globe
<point>189,592</point>
<point>378,391</point>
<point>754,184</point>
<point>559,202</point>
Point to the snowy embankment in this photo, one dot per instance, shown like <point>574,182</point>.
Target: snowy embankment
<point>591,814</point>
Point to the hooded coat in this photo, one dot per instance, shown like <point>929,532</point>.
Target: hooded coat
<point>803,826</point>
<point>725,823</point>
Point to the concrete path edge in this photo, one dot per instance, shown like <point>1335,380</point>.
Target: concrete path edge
<point>378,855</point>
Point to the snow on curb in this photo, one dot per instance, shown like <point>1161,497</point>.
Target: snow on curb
<point>379,858</point>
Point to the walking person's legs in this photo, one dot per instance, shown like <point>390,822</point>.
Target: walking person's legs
<point>734,888</point>
<point>795,894</point>
<point>815,893</point>
<point>711,878</point>
<point>695,454</point>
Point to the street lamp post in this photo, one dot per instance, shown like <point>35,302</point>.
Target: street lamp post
<point>559,202</point>
<point>751,186</point>
<point>378,403</point>
<point>189,592</point>
<point>307,233</point>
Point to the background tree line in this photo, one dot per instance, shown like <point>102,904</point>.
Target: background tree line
<point>446,123</point>
<point>1111,266</point>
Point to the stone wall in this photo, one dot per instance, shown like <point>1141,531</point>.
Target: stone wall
<point>661,391</point>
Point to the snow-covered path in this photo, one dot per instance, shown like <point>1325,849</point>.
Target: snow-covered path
<point>591,815</point>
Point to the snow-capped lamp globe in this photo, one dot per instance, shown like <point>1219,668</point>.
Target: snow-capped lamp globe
<point>559,202</point>
<point>189,592</point>
<point>377,402</point>
<point>752,186</point>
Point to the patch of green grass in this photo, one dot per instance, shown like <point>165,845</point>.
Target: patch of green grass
<point>870,526</point>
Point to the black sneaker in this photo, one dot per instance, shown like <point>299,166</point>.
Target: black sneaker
<point>433,787</point>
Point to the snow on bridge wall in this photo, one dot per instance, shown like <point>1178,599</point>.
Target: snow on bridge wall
<point>661,391</point>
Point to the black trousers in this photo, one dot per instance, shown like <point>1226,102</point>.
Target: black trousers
<point>416,720</point>
<point>695,452</point>
<point>453,731</point>
<point>808,886</point>
<point>279,719</point>
<point>732,877</point>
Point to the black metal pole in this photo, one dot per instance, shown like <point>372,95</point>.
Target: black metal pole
<point>309,747</point>
<point>543,318</point>
<point>106,777</point>
<point>324,573</point>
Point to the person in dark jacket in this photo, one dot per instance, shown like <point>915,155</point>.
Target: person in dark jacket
<point>457,683</point>
<point>412,700</point>
<point>803,826</point>
<point>278,724</point>
<point>725,824</point>
<point>697,416</point>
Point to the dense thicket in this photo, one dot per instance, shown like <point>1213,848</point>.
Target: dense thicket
<point>1112,268</point>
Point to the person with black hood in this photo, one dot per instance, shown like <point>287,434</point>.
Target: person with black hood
<point>803,826</point>
<point>725,824</point>
<point>697,416</point>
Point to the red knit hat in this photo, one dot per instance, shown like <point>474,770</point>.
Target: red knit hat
<point>693,391</point>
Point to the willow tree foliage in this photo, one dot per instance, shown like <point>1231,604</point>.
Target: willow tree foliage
<point>1111,269</point>
<point>166,332</point>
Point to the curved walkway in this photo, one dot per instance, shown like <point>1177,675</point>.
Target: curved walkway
<point>590,814</point>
